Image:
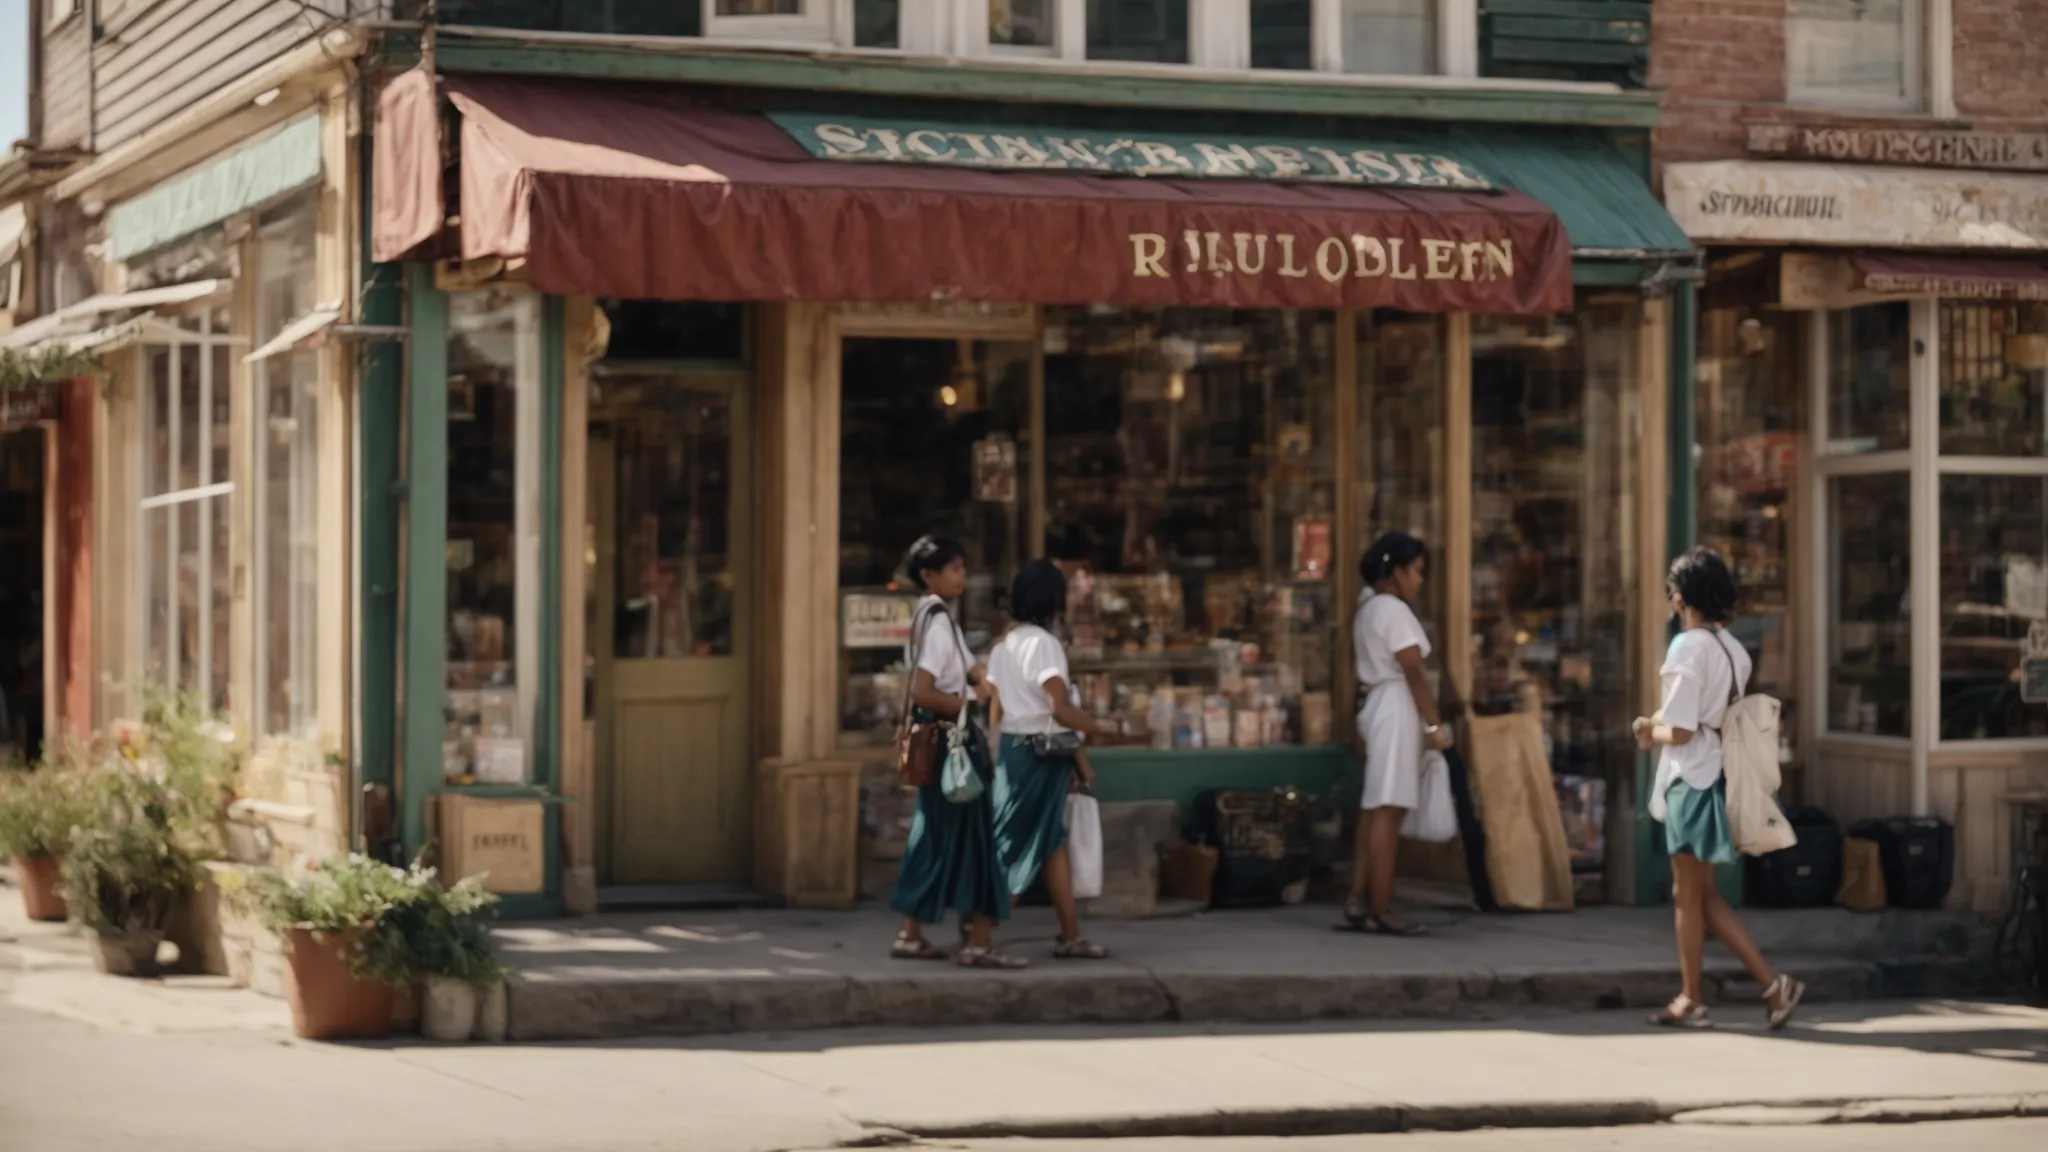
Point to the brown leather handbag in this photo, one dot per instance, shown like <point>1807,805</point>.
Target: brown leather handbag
<point>919,746</point>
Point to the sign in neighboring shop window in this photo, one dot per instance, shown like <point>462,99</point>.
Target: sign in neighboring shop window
<point>1734,201</point>
<point>287,479</point>
<point>186,576</point>
<point>493,536</point>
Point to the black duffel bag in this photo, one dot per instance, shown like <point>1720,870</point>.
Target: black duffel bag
<point>1264,842</point>
<point>1806,875</point>
<point>1918,854</point>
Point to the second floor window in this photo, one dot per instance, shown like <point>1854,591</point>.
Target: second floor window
<point>1853,53</point>
<point>1364,37</point>
<point>1151,31</point>
<point>1022,23</point>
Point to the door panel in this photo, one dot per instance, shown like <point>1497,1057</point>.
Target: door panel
<point>673,669</point>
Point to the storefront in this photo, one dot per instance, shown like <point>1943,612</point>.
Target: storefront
<point>1199,366</point>
<point>1872,366</point>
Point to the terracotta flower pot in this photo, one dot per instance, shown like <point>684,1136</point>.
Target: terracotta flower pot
<point>39,891</point>
<point>127,953</point>
<point>328,1002</point>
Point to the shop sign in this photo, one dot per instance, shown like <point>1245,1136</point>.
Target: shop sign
<point>1923,147</point>
<point>28,404</point>
<point>1006,148</point>
<point>868,620</point>
<point>995,470</point>
<point>2034,667</point>
<point>1333,259</point>
<point>1734,200</point>
<point>505,841</point>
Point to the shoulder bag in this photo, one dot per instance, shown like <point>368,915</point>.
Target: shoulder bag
<point>919,744</point>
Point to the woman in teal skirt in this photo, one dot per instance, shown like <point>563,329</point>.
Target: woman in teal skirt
<point>1704,672</point>
<point>949,861</point>
<point>1029,671</point>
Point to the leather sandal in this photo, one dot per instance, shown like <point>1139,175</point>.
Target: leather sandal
<point>1783,997</point>
<point>1683,1012</point>
<point>972,957</point>
<point>918,948</point>
<point>1079,948</point>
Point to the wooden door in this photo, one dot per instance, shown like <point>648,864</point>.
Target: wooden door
<point>670,478</point>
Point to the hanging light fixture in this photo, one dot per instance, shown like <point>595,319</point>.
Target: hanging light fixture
<point>961,393</point>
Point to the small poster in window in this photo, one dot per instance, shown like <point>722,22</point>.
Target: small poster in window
<point>1311,548</point>
<point>500,760</point>
<point>995,470</point>
<point>875,621</point>
<point>1297,442</point>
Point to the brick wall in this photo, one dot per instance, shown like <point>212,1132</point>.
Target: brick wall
<point>1720,64</point>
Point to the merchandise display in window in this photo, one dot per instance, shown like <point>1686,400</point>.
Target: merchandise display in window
<point>1747,384</point>
<point>1553,574</point>
<point>933,438</point>
<point>485,738</point>
<point>1870,688</point>
<point>1994,605</point>
<point>1399,478</point>
<point>1994,374</point>
<point>1190,493</point>
<point>1869,379</point>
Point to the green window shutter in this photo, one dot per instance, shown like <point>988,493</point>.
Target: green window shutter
<point>1600,40</point>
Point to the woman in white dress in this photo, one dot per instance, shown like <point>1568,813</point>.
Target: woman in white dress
<point>1397,720</point>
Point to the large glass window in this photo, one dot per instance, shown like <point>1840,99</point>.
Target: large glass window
<point>1283,33</point>
<point>493,534</point>
<point>1390,37</point>
<point>1151,31</point>
<point>1554,573</point>
<point>287,478</point>
<point>1994,372</point>
<point>1190,492</point>
<point>1869,379</point>
<point>1023,23</point>
<point>933,438</point>
<point>186,577</point>
<point>1853,52</point>
<point>1748,381</point>
<point>1399,476</point>
<point>1994,595</point>
<point>1869,634</point>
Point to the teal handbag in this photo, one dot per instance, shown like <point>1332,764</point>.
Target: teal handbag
<point>958,780</point>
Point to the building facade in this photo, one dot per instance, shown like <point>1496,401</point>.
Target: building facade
<point>1870,182</point>
<point>514,422</point>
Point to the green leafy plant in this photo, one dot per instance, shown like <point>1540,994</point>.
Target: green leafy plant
<point>123,869</point>
<point>198,759</point>
<point>401,923</point>
<point>23,369</point>
<point>39,807</point>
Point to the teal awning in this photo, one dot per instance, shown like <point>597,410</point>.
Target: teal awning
<point>1604,201</point>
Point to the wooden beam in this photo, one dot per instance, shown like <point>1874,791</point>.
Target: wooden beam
<point>1457,546</point>
<point>578,783</point>
<point>686,62</point>
<point>1652,469</point>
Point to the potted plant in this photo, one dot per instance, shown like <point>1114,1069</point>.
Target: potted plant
<point>450,946</point>
<point>343,923</point>
<point>124,873</point>
<point>38,809</point>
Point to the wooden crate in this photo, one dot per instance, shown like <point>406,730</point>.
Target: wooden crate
<point>807,832</point>
<point>506,839</point>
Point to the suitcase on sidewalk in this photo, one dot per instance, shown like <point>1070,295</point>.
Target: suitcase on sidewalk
<point>1806,875</point>
<point>1918,854</point>
<point>1263,841</point>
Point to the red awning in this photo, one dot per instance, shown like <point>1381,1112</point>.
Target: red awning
<point>639,192</point>
<point>1968,277</point>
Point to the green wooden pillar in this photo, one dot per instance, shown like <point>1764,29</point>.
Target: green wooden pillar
<point>426,548</point>
<point>380,399</point>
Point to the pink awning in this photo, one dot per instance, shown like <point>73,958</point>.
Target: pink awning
<point>1967,277</point>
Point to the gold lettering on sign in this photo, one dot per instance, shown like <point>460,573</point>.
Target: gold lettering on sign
<point>1333,259</point>
<point>892,143</point>
<point>1161,159</point>
<point>1372,256</point>
<point>1075,153</point>
<point>1500,259</point>
<point>1193,240</point>
<point>1416,166</point>
<point>1437,256</point>
<point>1244,259</point>
<point>1399,273</point>
<point>1219,264</point>
<point>841,140</point>
<point>976,141</point>
<point>1335,160</point>
<point>1288,267</point>
<point>921,142</point>
<point>1017,150</point>
<point>1147,250</point>
<point>1228,159</point>
<point>1376,166</point>
<point>1287,162</point>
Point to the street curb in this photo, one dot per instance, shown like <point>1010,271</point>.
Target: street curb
<point>1387,1119</point>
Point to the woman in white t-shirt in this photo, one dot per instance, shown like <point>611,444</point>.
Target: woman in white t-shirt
<point>1704,671</point>
<point>949,861</point>
<point>1397,720</point>
<point>1029,670</point>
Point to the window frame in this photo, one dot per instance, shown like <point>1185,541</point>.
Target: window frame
<point>829,21</point>
<point>1918,51</point>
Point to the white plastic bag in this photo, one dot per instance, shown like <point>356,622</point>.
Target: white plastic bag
<point>958,780</point>
<point>1084,845</point>
<point>1435,816</point>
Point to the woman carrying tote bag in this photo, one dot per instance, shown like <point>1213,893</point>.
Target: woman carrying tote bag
<point>1039,750</point>
<point>1702,672</point>
<point>1397,720</point>
<point>949,861</point>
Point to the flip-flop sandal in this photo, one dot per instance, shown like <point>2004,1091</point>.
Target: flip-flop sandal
<point>1079,949</point>
<point>1355,918</point>
<point>1783,997</point>
<point>989,958</point>
<point>1693,1015</point>
<point>1374,926</point>
<point>918,949</point>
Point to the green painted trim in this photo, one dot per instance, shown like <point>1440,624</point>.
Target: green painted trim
<point>691,63</point>
<point>547,760</point>
<point>380,423</point>
<point>426,549</point>
<point>1681,513</point>
<point>1606,273</point>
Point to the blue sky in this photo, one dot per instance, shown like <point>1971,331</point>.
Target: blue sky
<point>13,71</point>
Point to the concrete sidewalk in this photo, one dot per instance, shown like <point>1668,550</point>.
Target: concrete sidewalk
<point>683,974</point>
